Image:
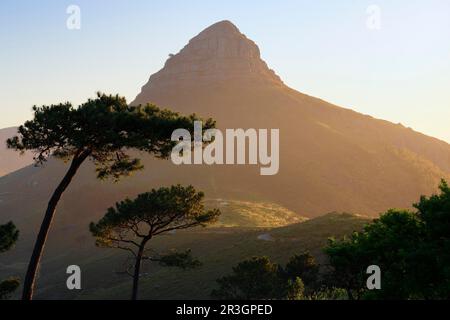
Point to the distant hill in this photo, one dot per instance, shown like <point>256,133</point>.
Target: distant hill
<point>10,160</point>
<point>252,214</point>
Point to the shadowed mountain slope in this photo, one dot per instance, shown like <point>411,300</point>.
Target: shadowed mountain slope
<point>11,161</point>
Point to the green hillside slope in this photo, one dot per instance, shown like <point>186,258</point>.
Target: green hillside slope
<point>218,248</point>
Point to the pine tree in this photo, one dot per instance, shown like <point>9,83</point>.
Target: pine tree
<point>103,130</point>
<point>133,223</point>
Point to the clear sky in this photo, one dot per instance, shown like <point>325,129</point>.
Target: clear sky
<point>400,72</point>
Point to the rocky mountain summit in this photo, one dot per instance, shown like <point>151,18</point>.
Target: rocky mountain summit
<point>219,53</point>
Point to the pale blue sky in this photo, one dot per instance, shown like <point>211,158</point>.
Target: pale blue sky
<point>323,48</point>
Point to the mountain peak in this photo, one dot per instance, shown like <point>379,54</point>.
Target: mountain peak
<point>219,53</point>
<point>224,27</point>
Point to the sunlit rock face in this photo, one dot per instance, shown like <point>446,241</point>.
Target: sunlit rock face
<point>219,53</point>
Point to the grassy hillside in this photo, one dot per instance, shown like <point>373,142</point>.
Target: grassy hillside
<point>253,214</point>
<point>220,249</point>
<point>246,229</point>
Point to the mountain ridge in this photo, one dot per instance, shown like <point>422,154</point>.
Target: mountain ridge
<point>218,53</point>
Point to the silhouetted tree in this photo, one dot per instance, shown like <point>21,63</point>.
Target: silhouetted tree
<point>411,248</point>
<point>133,223</point>
<point>393,242</point>
<point>254,279</point>
<point>8,237</point>
<point>347,266</point>
<point>259,278</point>
<point>104,130</point>
<point>303,266</point>
<point>295,289</point>
<point>433,272</point>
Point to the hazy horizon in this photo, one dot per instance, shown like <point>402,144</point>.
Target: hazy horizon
<point>399,73</point>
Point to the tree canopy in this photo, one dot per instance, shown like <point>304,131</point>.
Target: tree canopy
<point>152,213</point>
<point>253,279</point>
<point>259,278</point>
<point>104,129</point>
<point>132,223</point>
<point>8,237</point>
<point>304,267</point>
<point>412,250</point>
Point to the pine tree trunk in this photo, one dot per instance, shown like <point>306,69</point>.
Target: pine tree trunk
<point>137,271</point>
<point>137,266</point>
<point>30,278</point>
